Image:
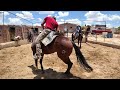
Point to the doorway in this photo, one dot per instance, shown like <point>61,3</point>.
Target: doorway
<point>12,33</point>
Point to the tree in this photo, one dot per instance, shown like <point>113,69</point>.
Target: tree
<point>119,28</point>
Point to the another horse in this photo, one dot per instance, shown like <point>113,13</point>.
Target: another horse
<point>78,36</point>
<point>63,46</point>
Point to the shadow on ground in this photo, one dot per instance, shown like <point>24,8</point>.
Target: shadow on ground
<point>51,74</point>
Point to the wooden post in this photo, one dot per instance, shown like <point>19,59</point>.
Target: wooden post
<point>22,32</point>
<point>96,37</point>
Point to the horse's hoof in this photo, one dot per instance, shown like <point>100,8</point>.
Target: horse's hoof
<point>43,72</point>
<point>89,69</point>
<point>67,72</point>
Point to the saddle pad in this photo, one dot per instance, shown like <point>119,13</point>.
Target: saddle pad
<point>49,38</point>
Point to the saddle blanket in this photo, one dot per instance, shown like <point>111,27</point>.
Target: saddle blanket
<point>49,38</point>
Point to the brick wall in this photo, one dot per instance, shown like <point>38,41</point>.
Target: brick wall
<point>19,30</point>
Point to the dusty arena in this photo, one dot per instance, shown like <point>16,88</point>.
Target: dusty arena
<point>18,63</point>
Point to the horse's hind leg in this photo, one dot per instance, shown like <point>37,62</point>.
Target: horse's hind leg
<point>69,63</point>
<point>41,59</point>
<point>36,64</point>
<point>33,47</point>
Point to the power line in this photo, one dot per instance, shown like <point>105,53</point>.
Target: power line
<point>19,17</point>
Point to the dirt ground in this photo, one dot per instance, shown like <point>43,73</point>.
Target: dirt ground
<point>18,63</point>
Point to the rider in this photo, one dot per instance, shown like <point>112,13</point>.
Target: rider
<point>77,30</point>
<point>87,32</point>
<point>50,25</point>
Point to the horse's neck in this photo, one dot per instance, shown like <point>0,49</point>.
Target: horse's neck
<point>34,35</point>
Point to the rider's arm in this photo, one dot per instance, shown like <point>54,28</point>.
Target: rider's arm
<point>57,29</point>
<point>42,24</point>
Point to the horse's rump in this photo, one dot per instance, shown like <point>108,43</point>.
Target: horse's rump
<point>62,45</point>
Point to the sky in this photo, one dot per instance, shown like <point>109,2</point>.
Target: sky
<point>110,18</point>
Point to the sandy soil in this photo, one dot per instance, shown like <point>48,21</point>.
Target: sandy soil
<point>17,63</point>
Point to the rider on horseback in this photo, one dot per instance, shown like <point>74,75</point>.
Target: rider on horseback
<point>77,31</point>
<point>50,25</point>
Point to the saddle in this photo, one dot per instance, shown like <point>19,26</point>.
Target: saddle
<point>49,38</point>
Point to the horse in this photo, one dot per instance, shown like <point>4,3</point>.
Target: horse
<point>78,36</point>
<point>63,46</point>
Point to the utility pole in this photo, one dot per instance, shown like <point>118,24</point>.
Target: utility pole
<point>3,28</point>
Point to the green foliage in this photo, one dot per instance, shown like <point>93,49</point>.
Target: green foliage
<point>119,28</point>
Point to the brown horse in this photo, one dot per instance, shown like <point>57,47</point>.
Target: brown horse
<point>63,46</point>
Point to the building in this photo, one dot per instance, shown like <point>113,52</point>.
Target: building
<point>67,26</point>
<point>8,32</point>
<point>100,27</point>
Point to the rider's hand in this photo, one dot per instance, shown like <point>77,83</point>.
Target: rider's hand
<point>58,31</point>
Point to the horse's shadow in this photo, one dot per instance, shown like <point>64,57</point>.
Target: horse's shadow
<point>51,74</point>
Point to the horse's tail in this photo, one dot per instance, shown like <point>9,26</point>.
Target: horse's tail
<point>81,58</point>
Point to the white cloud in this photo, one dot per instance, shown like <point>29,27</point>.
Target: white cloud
<point>5,13</point>
<point>46,12</point>
<point>15,21</point>
<point>60,21</point>
<point>49,15</point>
<point>109,25</point>
<point>28,14</point>
<point>98,16</point>
<point>1,15</point>
<point>39,19</point>
<point>88,22</point>
<point>37,24</point>
<point>25,15</point>
<point>114,17</point>
<point>74,21</point>
<point>55,15</point>
<point>62,14</point>
<point>20,15</point>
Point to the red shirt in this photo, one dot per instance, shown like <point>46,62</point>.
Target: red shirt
<point>50,23</point>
